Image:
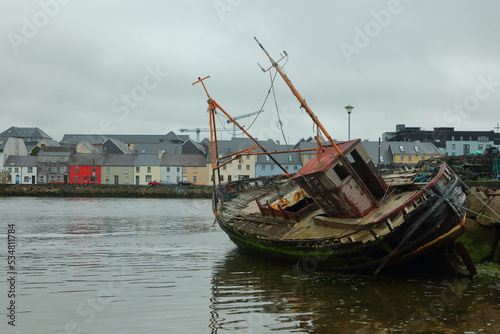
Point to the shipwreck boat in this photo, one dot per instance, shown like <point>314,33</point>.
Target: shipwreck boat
<point>336,212</point>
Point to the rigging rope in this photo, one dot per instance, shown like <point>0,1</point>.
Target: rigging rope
<point>463,207</point>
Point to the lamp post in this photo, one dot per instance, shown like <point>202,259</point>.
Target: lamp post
<point>349,109</point>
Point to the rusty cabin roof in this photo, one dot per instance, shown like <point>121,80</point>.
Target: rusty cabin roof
<point>325,160</point>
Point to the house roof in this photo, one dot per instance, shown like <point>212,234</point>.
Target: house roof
<point>184,160</point>
<point>55,151</point>
<point>154,149</point>
<point>413,148</point>
<point>199,146</point>
<point>90,147</point>
<point>20,161</point>
<point>174,138</point>
<point>119,160</point>
<point>74,139</point>
<point>147,160</point>
<point>119,145</point>
<point>25,132</point>
<point>3,142</point>
<point>87,159</point>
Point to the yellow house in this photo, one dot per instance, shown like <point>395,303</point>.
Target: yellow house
<point>147,169</point>
<point>413,152</point>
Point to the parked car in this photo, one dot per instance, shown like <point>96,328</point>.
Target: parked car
<point>57,182</point>
<point>160,183</point>
<point>184,183</point>
<point>83,182</point>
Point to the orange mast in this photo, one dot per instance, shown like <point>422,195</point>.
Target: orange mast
<point>212,107</point>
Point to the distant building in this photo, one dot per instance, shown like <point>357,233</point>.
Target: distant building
<point>184,167</point>
<point>23,169</point>
<point>53,164</point>
<point>86,167</point>
<point>32,137</point>
<point>11,146</point>
<point>449,141</point>
<point>118,169</point>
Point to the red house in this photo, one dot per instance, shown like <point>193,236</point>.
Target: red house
<point>85,168</point>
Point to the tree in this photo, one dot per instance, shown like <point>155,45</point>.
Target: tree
<point>5,176</point>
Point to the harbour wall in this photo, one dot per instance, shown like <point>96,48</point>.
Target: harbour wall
<point>43,190</point>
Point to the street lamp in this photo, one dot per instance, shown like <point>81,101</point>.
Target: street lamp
<point>349,109</point>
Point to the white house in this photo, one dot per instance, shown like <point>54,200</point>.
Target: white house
<point>22,169</point>
<point>11,146</point>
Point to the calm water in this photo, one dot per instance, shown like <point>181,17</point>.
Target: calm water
<point>160,266</point>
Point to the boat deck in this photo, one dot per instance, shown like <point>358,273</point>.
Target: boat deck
<point>245,214</point>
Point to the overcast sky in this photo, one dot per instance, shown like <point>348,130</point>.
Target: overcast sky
<point>127,67</point>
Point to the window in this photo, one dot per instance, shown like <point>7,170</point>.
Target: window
<point>62,170</point>
<point>381,159</point>
<point>148,170</point>
<point>417,149</point>
<point>178,169</point>
<point>62,159</point>
<point>16,170</point>
<point>222,178</point>
<point>184,169</point>
<point>401,148</point>
<point>195,169</point>
<point>247,167</point>
<point>137,169</point>
<point>309,156</point>
<point>127,179</point>
<point>290,159</point>
<point>263,167</point>
<point>341,171</point>
<point>168,169</point>
<point>410,158</point>
<point>466,149</point>
<point>108,169</point>
<point>295,167</point>
<point>45,169</point>
<point>75,178</point>
<point>239,167</point>
<point>195,179</point>
<point>77,169</point>
<point>41,178</point>
<point>452,153</point>
<point>30,169</point>
<point>480,146</point>
<point>26,179</point>
<point>224,167</point>
<point>248,157</point>
<point>453,146</point>
<point>148,178</point>
<point>267,158</point>
<point>422,157</point>
<point>125,170</point>
<point>107,178</point>
<point>143,151</point>
<point>44,160</point>
<point>53,170</point>
<point>54,159</point>
<point>272,167</point>
<point>402,158</point>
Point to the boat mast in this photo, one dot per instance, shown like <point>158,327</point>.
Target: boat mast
<point>214,148</point>
<point>342,157</point>
<point>299,97</point>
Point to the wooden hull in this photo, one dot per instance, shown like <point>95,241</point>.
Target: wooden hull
<point>427,223</point>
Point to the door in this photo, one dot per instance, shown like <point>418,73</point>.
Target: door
<point>32,179</point>
<point>116,178</point>
<point>137,180</point>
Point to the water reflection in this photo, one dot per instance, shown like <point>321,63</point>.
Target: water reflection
<point>250,296</point>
